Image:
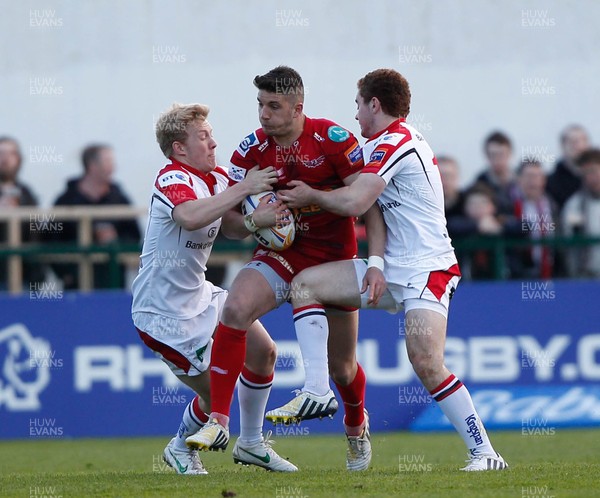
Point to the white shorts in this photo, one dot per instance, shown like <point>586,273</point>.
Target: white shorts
<point>184,345</point>
<point>424,289</point>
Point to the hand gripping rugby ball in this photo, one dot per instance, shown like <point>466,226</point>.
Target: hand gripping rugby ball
<point>278,237</point>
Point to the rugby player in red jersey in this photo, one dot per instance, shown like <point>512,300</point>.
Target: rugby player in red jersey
<point>175,309</point>
<point>325,156</point>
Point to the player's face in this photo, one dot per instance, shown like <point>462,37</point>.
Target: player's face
<point>199,150</point>
<point>365,117</point>
<point>276,113</point>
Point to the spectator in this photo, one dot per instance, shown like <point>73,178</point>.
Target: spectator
<point>13,194</point>
<point>480,211</point>
<point>454,198</point>
<point>95,188</point>
<point>565,180</point>
<point>537,214</point>
<point>498,176</point>
<point>581,216</point>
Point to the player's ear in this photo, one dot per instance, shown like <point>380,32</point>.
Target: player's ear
<point>298,108</point>
<point>178,148</point>
<point>375,105</point>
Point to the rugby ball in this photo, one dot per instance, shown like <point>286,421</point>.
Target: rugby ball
<point>278,237</point>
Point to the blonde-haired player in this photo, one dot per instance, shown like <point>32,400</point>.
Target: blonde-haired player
<point>175,309</point>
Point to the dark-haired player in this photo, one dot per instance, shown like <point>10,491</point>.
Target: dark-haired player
<point>416,258</point>
<point>325,156</point>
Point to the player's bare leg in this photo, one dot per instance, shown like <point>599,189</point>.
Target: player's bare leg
<point>425,341</point>
<point>336,284</point>
<point>309,289</point>
<point>250,297</point>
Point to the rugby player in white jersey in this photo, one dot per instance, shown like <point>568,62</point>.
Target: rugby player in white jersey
<point>175,309</point>
<point>413,267</point>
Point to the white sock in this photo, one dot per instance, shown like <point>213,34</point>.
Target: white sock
<point>193,420</point>
<point>455,401</point>
<point>312,331</point>
<point>253,393</point>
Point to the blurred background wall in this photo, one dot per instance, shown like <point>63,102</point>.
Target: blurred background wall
<point>72,72</point>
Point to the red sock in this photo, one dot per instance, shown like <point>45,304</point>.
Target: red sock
<point>198,412</point>
<point>353,396</point>
<point>227,360</point>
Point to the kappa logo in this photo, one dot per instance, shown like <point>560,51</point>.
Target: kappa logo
<point>21,379</point>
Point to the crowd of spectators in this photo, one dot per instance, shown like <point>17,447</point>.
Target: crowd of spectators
<point>95,187</point>
<point>506,201</point>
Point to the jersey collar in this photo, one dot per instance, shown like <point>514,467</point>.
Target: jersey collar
<point>204,176</point>
<point>392,125</point>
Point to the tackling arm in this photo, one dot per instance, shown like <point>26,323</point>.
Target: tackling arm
<point>193,215</point>
<point>353,200</point>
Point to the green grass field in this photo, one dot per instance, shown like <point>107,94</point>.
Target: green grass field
<point>421,465</point>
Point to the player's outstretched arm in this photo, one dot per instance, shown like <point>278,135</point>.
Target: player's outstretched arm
<point>193,215</point>
<point>353,200</point>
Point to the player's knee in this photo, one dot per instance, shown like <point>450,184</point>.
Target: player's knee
<point>342,373</point>
<point>270,354</point>
<point>426,365</point>
<point>303,288</point>
<point>237,312</point>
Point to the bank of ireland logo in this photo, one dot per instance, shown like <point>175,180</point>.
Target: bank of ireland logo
<point>22,380</point>
<point>338,134</point>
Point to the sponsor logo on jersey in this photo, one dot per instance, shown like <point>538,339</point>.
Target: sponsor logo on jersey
<point>386,206</point>
<point>248,142</point>
<point>354,154</point>
<point>318,137</point>
<point>198,245</point>
<point>338,134</point>
<point>392,139</point>
<point>314,163</point>
<point>377,156</point>
<point>263,146</point>
<point>213,231</point>
<point>236,173</point>
<point>174,178</point>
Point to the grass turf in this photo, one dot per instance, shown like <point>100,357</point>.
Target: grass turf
<point>566,464</point>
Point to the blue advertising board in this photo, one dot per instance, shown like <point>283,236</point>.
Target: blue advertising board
<point>72,365</point>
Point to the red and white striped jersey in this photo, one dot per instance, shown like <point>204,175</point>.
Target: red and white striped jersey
<point>171,278</point>
<point>412,202</point>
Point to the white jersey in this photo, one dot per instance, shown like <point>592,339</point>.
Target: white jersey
<point>412,202</point>
<point>171,278</point>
